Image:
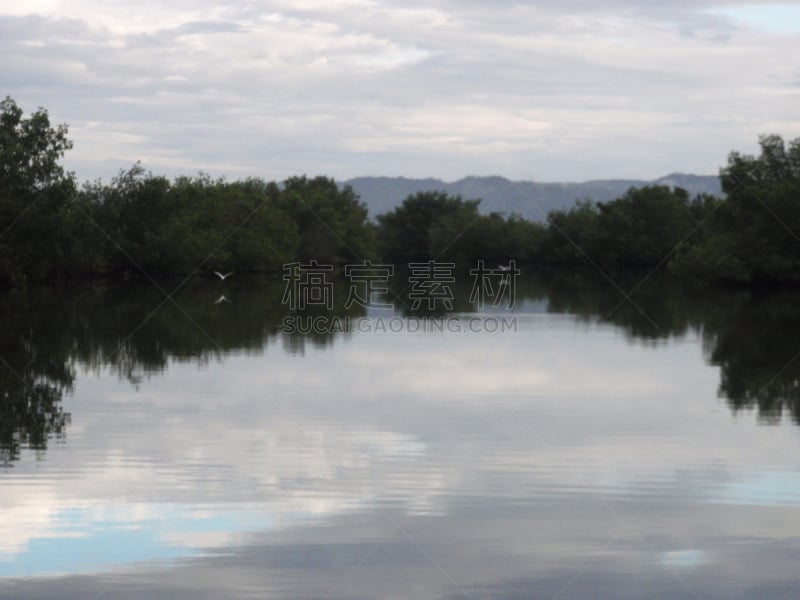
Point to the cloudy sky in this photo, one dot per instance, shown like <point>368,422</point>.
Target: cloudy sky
<point>532,89</point>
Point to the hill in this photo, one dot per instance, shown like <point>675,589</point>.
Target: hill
<point>529,199</point>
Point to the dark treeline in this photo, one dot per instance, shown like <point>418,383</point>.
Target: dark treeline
<point>751,236</point>
<point>52,228</point>
<point>143,223</point>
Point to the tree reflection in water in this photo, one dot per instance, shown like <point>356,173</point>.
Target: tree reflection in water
<point>132,330</point>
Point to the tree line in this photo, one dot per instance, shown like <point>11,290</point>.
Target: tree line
<point>53,228</point>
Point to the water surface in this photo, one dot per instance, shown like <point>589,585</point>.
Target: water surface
<point>606,448</point>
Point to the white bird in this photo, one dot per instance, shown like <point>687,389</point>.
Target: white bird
<point>503,267</point>
<point>221,276</point>
<point>221,299</point>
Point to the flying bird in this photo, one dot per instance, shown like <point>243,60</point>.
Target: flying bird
<point>221,276</point>
<point>222,299</point>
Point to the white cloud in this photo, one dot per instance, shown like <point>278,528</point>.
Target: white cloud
<point>541,90</point>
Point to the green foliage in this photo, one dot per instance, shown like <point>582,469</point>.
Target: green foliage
<point>152,225</point>
<point>141,222</point>
<point>644,226</point>
<point>192,223</point>
<point>29,150</point>
<point>405,233</point>
<point>436,226</point>
<point>712,256</point>
<point>35,196</point>
<point>332,223</point>
<point>571,234</point>
<point>641,228</point>
<point>467,237</point>
<point>144,223</point>
<point>455,234</point>
<point>754,235</point>
<point>157,226</point>
<point>776,164</point>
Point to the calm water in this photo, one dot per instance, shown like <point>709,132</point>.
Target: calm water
<point>151,449</point>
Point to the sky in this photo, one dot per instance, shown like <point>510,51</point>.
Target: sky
<point>543,90</point>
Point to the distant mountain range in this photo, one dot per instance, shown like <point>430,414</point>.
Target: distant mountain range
<point>529,199</point>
